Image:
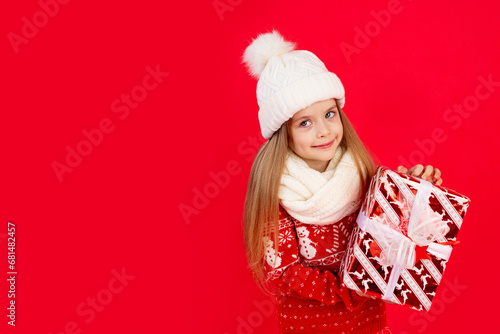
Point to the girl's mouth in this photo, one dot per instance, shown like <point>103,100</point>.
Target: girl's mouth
<point>327,145</point>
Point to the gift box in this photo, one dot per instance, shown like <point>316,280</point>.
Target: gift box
<point>405,232</point>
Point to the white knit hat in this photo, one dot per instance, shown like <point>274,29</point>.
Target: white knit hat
<point>288,80</point>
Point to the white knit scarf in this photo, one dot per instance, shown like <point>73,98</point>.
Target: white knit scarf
<point>319,198</point>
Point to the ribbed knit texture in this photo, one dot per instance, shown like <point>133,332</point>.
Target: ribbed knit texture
<point>296,315</point>
<point>289,80</point>
<point>310,296</point>
<point>320,198</point>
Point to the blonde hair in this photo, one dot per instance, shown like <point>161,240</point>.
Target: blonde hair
<point>261,211</point>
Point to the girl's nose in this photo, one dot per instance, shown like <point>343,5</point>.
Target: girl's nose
<point>323,129</point>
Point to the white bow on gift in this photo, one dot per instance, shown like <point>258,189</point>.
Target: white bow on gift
<point>424,227</point>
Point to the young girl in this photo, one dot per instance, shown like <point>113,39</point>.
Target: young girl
<point>304,193</point>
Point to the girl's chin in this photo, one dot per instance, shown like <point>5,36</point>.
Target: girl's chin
<point>326,154</point>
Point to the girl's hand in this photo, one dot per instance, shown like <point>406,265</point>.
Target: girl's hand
<point>428,173</point>
<point>372,297</point>
<point>364,295</point>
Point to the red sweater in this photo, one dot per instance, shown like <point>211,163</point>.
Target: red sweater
<point>310,297</point>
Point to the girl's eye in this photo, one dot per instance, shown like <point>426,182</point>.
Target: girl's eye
<point>332,112</point>
<point>302,124</point>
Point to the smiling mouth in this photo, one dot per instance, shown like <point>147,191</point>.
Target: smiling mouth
<point>327,145</point>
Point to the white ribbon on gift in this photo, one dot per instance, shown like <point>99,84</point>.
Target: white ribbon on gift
<point>424,228</point>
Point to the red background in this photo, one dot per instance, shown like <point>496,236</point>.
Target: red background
<point>119,208</point>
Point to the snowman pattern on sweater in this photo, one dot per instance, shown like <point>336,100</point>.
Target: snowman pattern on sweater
<point>312,245</point>
<point>307,246</point>
<point>310,294</point>
<point>323,244</point>
<point>272,259</point>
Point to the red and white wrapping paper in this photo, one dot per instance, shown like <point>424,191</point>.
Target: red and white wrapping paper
<point>405,232</point>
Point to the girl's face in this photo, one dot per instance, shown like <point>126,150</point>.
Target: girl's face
<point>315,133</point>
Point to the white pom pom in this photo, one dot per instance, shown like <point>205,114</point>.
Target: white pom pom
<point>262,49</point>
